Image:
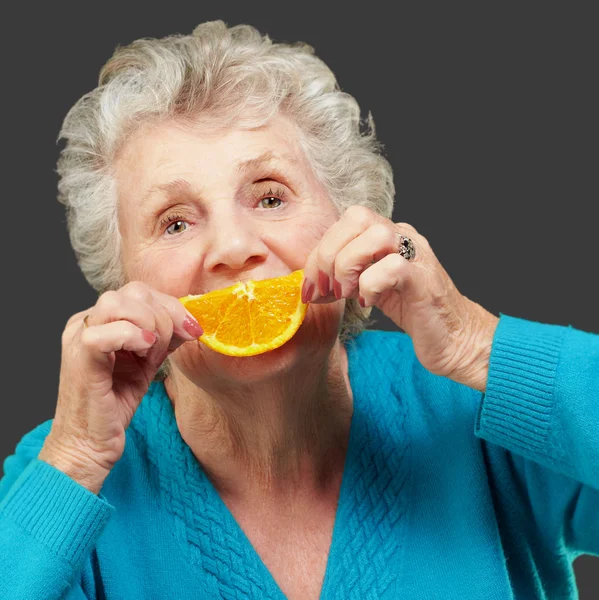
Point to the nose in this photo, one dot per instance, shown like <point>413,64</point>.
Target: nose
<point>234,242</point>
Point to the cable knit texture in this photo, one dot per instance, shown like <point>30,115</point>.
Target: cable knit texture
<point>446,492</point>
<point>371,509</point>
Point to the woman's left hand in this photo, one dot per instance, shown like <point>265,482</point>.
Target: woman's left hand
<point>358,257</point>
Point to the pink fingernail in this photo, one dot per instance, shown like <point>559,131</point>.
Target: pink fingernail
<point>323,283</point>
<point>192,327</point>
<point>362,302</point>
<point>337,289</point>
<point>307,291</point>
<point>148,336</point>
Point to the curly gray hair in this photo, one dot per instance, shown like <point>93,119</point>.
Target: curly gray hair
<point>232,77</point>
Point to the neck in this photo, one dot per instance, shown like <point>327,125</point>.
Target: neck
<point>280,437</point>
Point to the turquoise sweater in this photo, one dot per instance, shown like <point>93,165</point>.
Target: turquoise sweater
<point>447,492</point>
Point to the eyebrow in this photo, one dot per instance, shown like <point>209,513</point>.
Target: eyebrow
<point>184,187</point>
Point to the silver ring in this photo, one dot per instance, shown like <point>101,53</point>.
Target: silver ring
<point>406,247</point>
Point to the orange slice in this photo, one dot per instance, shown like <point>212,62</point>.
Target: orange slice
<point>250,318</point>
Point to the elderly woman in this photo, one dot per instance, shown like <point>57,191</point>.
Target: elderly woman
<point>458,458</point>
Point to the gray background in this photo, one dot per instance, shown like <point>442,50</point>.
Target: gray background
<point>488,114</point>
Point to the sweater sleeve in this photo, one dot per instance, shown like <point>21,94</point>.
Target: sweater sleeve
<point>49,524</point>
<point>542,404</point>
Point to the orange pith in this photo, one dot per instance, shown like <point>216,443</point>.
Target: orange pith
<point>250,318</point>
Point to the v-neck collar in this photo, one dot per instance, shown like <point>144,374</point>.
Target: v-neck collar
<point>369,512</point>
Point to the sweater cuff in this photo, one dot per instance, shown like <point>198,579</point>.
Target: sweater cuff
<point>516,408</point>
<point>56,510</point>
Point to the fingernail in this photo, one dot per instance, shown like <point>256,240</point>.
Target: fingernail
<point>307,291</point>
<point>337,289</point>
<point>192,327</point>
<point>323,283</point>
<point>362,302</point>
<point>148,336</point>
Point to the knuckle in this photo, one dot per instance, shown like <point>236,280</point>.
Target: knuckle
<point>323,256</point>
<point>108,301</point>
<point>383,232</point>
<point>137,290</point>
<point>360,214</point>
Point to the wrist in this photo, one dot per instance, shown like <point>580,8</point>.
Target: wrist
<point>475,372</point>
<point>85,472</point>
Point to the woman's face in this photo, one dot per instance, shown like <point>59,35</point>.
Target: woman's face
<point>200,210</point>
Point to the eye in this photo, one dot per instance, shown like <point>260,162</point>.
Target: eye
<point>174,224</point>
<point>273,198</point>
<point>272,201</point>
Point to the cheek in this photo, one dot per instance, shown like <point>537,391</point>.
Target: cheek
<point>305,236</point>
<point>167,272</point>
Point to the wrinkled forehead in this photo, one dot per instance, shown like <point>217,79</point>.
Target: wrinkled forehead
<point>173,148</point>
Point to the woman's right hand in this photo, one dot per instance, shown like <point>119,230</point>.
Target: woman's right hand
<point>106,369</point>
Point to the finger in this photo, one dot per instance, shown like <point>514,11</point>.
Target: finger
<point>185,325</point>
<point>319,268</point>
<point>134,303</point>
<point>118,306</point>
<point>169,337</point>
<point>166,339</point>
<point>101,340</point>
<point>369,247</point>
<point>180,319</point>
<point>393,272</point>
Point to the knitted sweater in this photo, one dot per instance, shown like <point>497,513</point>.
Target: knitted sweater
<point>446,493</point>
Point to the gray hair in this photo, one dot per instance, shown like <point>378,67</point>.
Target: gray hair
<point>230,77</point>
